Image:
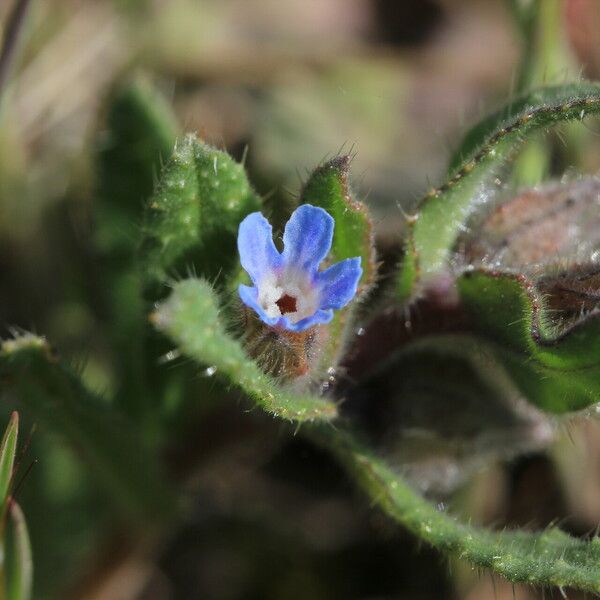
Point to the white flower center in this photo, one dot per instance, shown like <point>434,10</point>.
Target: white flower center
<point>291,294</point>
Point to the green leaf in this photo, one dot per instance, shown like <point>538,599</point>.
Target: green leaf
<point>140,131</point>
<point>533,110</point>
<point>442,213</point>
<point>559,371</point>
<point>442,406</point>
<point>111,447</point>
<point>20,573</point>
<point>8,449</point>
<point>549,557</point>
<point>191,317</point>
<point>194,213</point>
<point>328,187</point>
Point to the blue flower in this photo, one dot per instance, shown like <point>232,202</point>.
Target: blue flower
<point>289,291</point>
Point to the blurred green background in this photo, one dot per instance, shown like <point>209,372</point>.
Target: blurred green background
<point>282,84</point>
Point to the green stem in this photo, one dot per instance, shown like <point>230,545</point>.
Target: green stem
<point>549,557</point>
<point>543,61</point>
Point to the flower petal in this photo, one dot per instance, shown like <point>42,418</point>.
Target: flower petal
<point>258,253</point>
<point>321,316</point>
<point>307,238</point>
<point>338,283</point>
<point>249,296</point>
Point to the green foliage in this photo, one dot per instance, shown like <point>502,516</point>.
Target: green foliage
<point>16,565</point>
<point>485,149</point>
<point>111,447</point>
<point>193,215</point>
<point>533,110</point>
<point>550,557</point>
<point>191,317</point>
<point>139,133</point>
<point>8,448</point>
<point>507,312</point>
<point>557,371</point>
<point>328,187</point>
<point>190,221</point>
<point>20,571</point>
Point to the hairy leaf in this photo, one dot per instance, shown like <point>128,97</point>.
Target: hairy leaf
<point>191,317</point>
<point>558,370</point>
<point>328,187</point>
<point>570,292</point>
<point>442,213</point>
<point>194,213</point>
<point>539,227</point>
<point>442,407</point>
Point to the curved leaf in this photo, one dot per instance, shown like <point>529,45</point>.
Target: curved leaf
<point>328,187</point>
<point>441,407</point>
<point>486,147</point>
<point>191,317</point>
<point>559,371</point>
<point>8,449</point>
<point>20,573</point>
<point>537,108</point>
<point>194,213</point>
